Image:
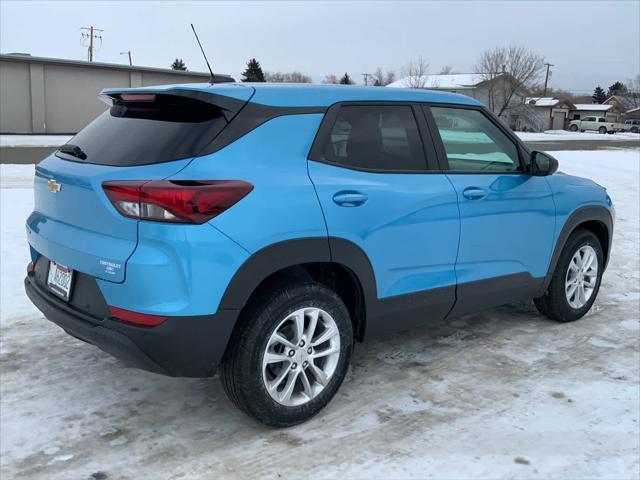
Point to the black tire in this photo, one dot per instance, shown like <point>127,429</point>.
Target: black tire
<point>602,130</point>
<point>554,303</point>
<point>573,128</point>
<point>241,370</point>
<point>634,130</point>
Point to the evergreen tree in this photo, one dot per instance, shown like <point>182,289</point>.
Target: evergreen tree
<point>178,64</point>
<point>617,88</point>
<point>598,95</point>
<point>253,72</point>
<point>346,80</point>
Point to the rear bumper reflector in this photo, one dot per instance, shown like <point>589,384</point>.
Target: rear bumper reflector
<point>136,318</point>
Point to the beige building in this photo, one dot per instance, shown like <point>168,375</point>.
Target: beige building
<point>55,96</point>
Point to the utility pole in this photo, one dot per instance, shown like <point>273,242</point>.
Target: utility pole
<point>546,79</point>
<point>365,76</point>
<point>93,33</point>
<point>128,52</point>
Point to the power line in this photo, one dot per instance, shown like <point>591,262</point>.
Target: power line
<point>93,33</point>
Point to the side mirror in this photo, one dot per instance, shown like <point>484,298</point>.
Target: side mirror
<point>542,164</point>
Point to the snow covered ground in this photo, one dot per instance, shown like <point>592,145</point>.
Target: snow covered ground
<point>559,135</point>
<point>33,140</point>
<point>501,394</point>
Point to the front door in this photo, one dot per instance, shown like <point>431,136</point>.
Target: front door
<point>370,174</point>
<point>507,216</point>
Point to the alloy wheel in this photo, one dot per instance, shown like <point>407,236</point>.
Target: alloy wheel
<point>582,276</point>
<point>301,356</point>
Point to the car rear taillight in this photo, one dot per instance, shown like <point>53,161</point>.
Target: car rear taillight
<point>136,318</point>
<point>177,201</point>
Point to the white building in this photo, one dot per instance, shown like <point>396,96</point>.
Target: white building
<point>492,90</point>
<point>582,110</point>
<point>552,113</point>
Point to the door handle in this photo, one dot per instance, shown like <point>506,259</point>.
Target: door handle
<point>474,193</point>
<point>350,198</point>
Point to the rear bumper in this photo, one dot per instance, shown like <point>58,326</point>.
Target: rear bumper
<point>180,347</point>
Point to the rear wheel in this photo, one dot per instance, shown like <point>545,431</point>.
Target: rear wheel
<point>573,128</point>
<point>289,355</point>
<point>576,280</point>
<point>602,130</point>
<point>634,130</point>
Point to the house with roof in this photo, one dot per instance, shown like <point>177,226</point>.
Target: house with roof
<point>582,110</point>
<point>551,113</point>
<point>633,114</point>
<point>490,89</point>
<point>622,104</point>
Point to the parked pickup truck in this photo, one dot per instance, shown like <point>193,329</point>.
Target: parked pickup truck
<point>631,126</point>
<point>597,124</point>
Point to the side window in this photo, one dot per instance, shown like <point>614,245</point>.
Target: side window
<point>472,142</point>
<point>601,120</point>
<point>376,137</point>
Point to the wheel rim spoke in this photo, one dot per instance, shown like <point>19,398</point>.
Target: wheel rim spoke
<point>298,322</point>
<point>326,335</point>
<point>318,374</point>
<point>308,391</point>
<point>271,357</point>
<point>324,353</point>
<point>313,323</point>
<point>280,339</point>
<point>289,386</point>
<point>273,386</point>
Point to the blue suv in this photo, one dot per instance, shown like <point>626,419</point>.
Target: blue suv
<point>264,229</point>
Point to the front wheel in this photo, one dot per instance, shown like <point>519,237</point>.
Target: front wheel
<point>602,130</point>
<point>573,128</point>
<point>576,280</point>
<point>289,355</point>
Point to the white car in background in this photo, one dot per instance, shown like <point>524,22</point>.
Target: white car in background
<point>632,126</point>
<point>596,124</point>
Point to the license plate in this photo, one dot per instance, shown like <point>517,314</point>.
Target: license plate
<point>59,280</point>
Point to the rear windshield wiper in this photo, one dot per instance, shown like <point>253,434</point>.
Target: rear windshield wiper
<point>73,150</point>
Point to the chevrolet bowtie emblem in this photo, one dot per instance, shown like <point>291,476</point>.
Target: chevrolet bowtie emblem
<point>53,186</point>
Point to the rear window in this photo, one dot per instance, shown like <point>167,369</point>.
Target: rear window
<point>141,129</point>
<point>376,137</point>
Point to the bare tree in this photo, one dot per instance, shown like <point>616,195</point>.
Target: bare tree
<point>446,70</point>
<point>331,78</point>
<point>508,71</point>
<point>415,73</point>
<point>381,79</point>
<point>633,90</point>
<point>292,77</point>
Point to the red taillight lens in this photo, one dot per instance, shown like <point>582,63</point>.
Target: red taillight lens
<point>180,201</point>
<point>136,317</point>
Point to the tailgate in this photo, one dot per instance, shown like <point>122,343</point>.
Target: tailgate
<point>73,222</point>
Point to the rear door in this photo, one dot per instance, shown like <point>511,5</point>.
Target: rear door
<point>507,216</point>
<point>143,136</point>
<point>369,168</point>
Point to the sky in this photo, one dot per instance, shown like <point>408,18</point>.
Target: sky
<point>589,43</point>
